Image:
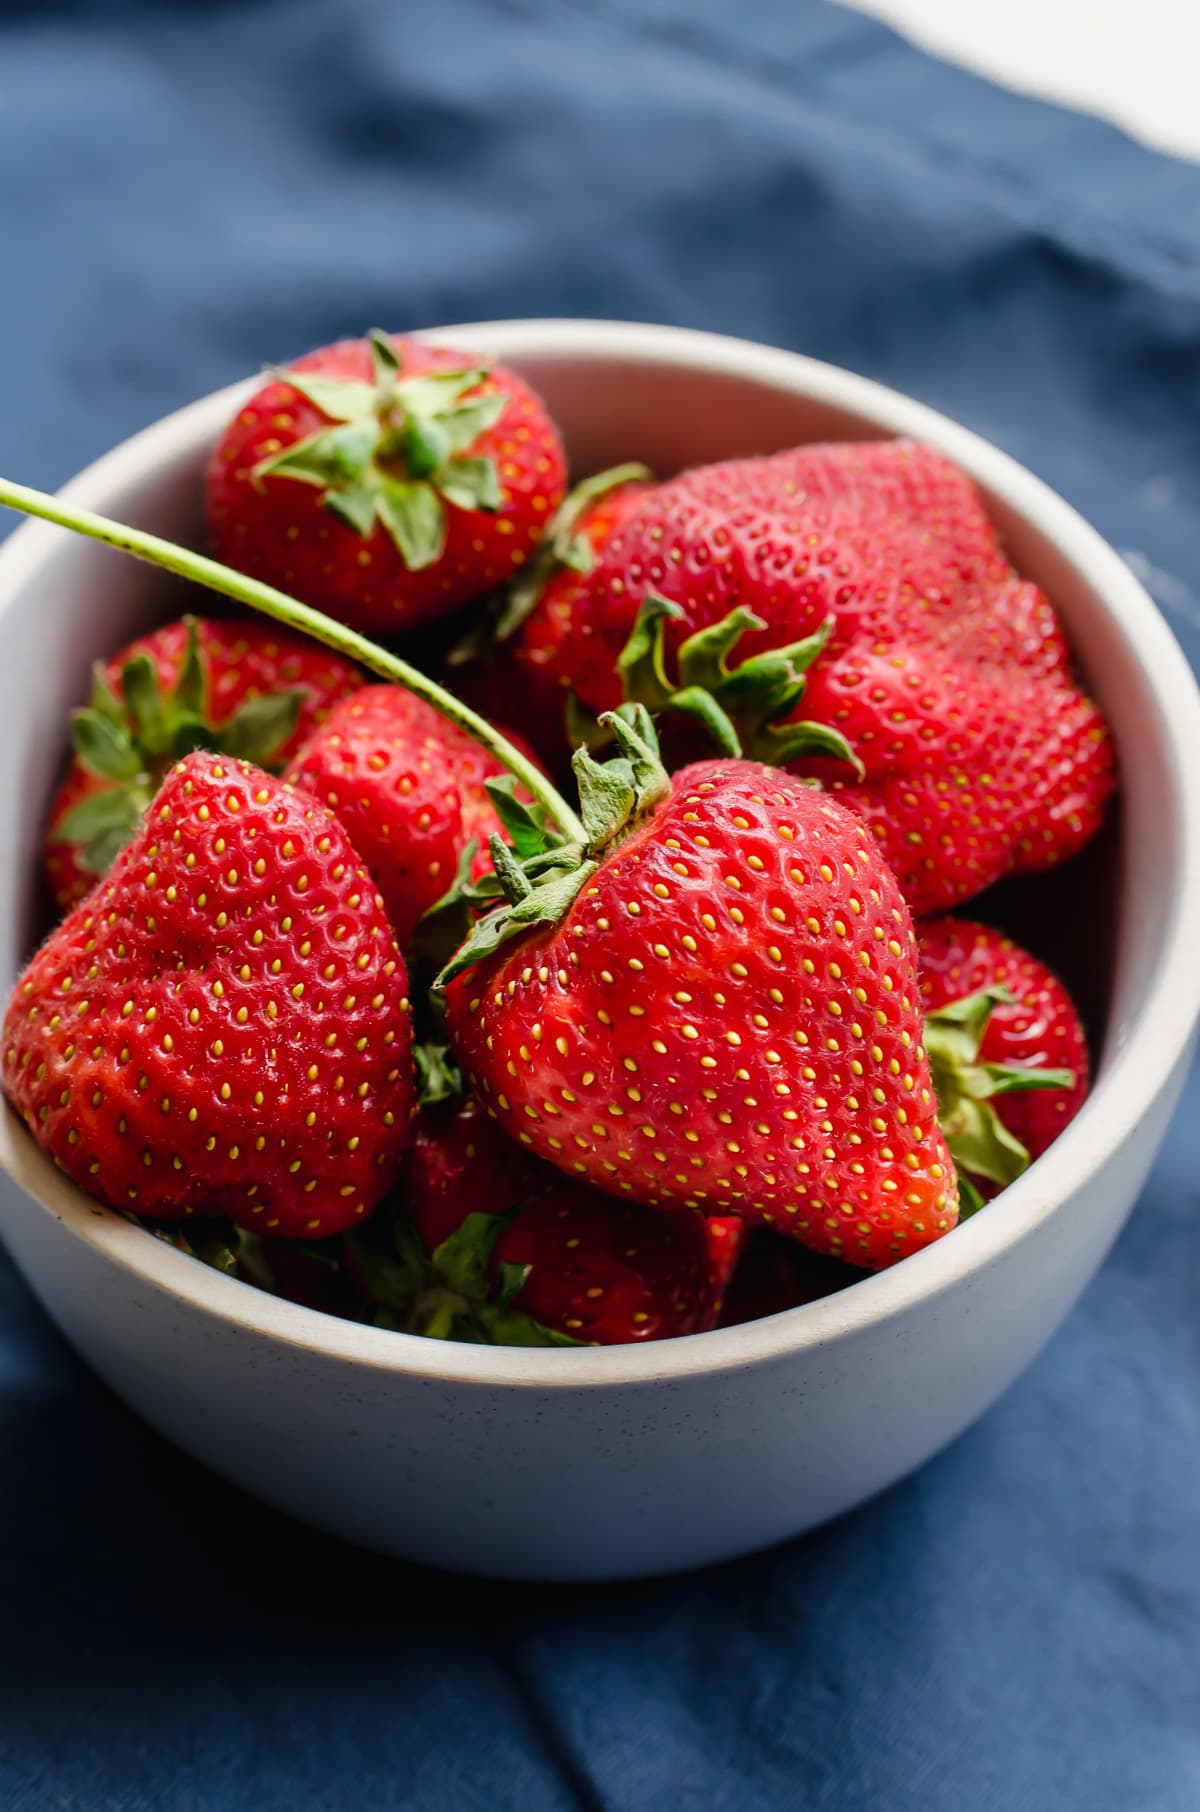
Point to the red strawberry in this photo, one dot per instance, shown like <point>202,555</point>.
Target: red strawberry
<point>869,533</point>
<point>775,1274</point>
<point>1008,1050</point>
<point>408,787</point>
<point>222,1026</point>
<point>721,1009</point>
<point>302,1273</point>
<point>985,771</point>
<point>518,1250</point>
<point>236,685</point>
<point>385,481</point>
<point>308,1272</point>
<point>525,669</point>
<point>947,674</point>
<point>460,1164</point>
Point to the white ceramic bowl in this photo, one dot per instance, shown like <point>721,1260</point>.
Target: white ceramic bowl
<point>591,1463</point>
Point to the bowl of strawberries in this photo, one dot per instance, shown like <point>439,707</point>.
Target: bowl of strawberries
<point>600,935</point>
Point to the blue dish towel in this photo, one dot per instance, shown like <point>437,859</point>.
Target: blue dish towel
<point>189,191</point>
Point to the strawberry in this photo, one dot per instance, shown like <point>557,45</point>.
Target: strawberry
<point>385,481</point>
<point>518,666</point>
<point>309,1272</point>
<point>870,533</point>
<point>305,1272</point>
<point>242,687</point>
<point>515,1253</point>
<point>774,1274</point>
<point>221,1027</point>
<point>409,788</point>
<point>461,1163</point>
<point>1007,1047</point>
<point>713,1004</point>
<point>948,676</point>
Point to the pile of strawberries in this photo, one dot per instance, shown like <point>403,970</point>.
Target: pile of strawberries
<point>350,1001</point>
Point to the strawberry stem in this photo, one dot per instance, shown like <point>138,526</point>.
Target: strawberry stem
<point>265,599</point>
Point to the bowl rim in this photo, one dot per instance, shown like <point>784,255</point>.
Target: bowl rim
<point>1124,1092</point>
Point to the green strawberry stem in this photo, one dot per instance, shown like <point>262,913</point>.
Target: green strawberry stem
<point>560,546</point>
<point>535,877</point>
<point>264,598</point>
<point>746,710</point>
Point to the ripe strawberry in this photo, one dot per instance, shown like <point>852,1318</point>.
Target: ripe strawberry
<point>460,1163</point>
<point>774,1274</point>
<point>221,1027</point>
<point>408,788</point>
<point>716,1007</point>
<point>239,686</point>
<point>518,1252</point>
<point>870,533</point>
<point>521,668</point>
<point>948,675</point>
<point>309,1272</point>
<point>385,481</point>
<point>1008,1050</point>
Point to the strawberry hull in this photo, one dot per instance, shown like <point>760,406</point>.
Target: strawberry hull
<point>949,675</point>
<point>590,1269</point>
<point>1037,1029</point>
<point>242,665</point>
<point>727,1018</point>
<point>529,675</point>
<point>275,520</point>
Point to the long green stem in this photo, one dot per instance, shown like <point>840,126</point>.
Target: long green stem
<point>277,604</point>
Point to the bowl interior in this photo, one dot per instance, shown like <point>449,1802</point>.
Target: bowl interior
<point>671,400</point>
<point>666,413</point>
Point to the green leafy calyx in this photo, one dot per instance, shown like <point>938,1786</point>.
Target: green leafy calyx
<point>129,738</point>
<point>438,1076</point>
<point>217,1243</point>
<point>980,1143</point>
<point>457,1292</point>
<point>397,450</point>
<point>747,710</point>
<point>562,546</point>
<point>536,873</point>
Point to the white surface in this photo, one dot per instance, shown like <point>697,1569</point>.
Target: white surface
<point>1131,61</point>
<point>618,1462</point>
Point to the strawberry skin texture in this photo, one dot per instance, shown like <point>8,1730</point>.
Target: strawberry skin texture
<point>461,1163</point>
<point>408,788</point>
<point>949,675</point>
<point>726,1018</point>
<point>222,1026</point>
<point>774,1274</point>
<point>534,669</point>
<point>973,771</point>
<point>858,531</point>
<point>244,658</point>
<point>610,1273</point>
<point>601,1271</point>
<point>278,530</point>
<point>1041,1030</point>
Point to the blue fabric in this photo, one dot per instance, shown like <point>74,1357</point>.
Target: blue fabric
<point>190,191</point>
